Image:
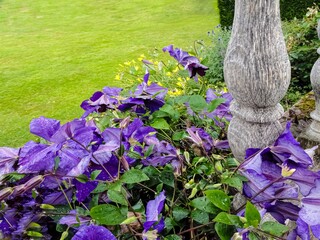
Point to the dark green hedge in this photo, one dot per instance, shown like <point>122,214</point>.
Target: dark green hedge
<point>289,9</point>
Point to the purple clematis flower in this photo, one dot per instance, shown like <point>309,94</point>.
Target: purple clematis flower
<point>191,63</point>
<point>223,110</point>
<point>101,101</point>
<point>145,98</point>
<point>93,232</point>
<point>201,138</point>
<point>154,208</point>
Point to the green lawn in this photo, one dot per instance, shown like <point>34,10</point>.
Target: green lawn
<point>56,53</point>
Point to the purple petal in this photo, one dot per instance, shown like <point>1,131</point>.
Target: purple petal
<point>283,210</point>
<point>40,157</point>
<point>93,232</point>
<point>8,157</point>
<point>316,231</point>
<point>44,127</point>
<point>154,208</point>
<point>310,210</point>
<point>303,230</point>
<point>58,198</point>
<point>112,91</point>
<point>290,145</point>
<point>80,168</point>
<point>72,219</point>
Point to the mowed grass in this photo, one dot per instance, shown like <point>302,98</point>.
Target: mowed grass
<point>56,53</point>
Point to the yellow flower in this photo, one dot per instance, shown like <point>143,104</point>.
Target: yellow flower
<point>127,63</point>
<point>142,56</point>
<point>118,77</point>
<point>169,74</point>
<point>176,70</point>
<point>136,68</point>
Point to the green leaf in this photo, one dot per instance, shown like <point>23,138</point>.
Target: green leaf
<point>133,154</point>
<point>197,103</point>
<point>173,237</point>
<point>234,182</point>
<point>56,162</point>
<point>149,150</point>
<point>253,236</point>
<point>215,103</point>
<point>134,176</point>
<point>200,216</point>
<point>100,188</point>
<point>274,228</point>
<point>252,215</point>
<point>179,213</point>
<point>177,136</point>
<point>160,123</point>
<point>225,232</point>
<point>118,197</point>
<point>203,204</point>
<point>94,200</point>
<point>219,198</point>
<point>82,178</point>
<point>95,174</point>
<point>108,214</point>
<point>228,219</point>
<point>167,177</point>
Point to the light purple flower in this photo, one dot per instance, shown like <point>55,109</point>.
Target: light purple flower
<point>93,232</point>
<point>310,210</point>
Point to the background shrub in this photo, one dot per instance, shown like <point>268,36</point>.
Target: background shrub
<point>289,9</point>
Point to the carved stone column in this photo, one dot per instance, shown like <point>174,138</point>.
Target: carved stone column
<point>313,132</point>
<point>257,72</point>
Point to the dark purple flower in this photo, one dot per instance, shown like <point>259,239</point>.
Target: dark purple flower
<point>93,232</point>
<point>145,98</point>
<point>8,221</point>
<point>191,63</point>
<point>223,110</point>
<point>101,101</point>
<point>154,208</point>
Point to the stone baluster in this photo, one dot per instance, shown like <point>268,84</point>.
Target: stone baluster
<point>257,72</point>
<point>313,132</point>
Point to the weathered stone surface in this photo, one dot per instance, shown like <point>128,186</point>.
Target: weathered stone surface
<point>257,73</point>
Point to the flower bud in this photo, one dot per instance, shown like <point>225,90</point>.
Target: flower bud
<point>125,122</point>
<point>6,192</point>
